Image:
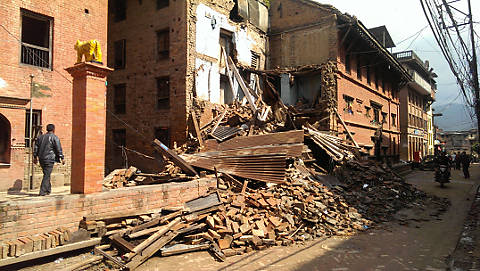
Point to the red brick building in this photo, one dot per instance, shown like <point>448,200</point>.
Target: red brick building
<point>37,38</point>
<point>367,77</point>
<point>167,55</point>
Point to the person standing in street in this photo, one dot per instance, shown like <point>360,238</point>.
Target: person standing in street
<point>48,150</point>
<point>465,161</point>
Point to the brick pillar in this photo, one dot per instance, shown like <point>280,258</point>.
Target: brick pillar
<point>88,127</point>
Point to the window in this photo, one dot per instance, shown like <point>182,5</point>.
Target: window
<point>163,44</point>
<point>377,108</point>
<point>348,104</point>
<point>348,67</point>
<point>119,138</point>
<point>37,125</point>
<point>384,117</point>
<point>5,134</point>
<point>394,120</point>
<point>120,98</point>
<point>36,39</point>
<point>162,4</point>
<point>119,10</point>
<point>163,92</point>
<point>119,52</point>
<point>162,134</point>
<point>255,60</point>
<point>359,69</point>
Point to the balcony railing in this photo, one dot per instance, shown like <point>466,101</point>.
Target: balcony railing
<point>422,82</point>
<point>35,55</point>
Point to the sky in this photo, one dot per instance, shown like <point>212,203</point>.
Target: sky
<point>403,19</point>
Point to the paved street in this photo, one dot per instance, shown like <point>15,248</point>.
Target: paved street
<point>420,245</point>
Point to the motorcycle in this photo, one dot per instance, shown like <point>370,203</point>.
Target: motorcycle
<point>442,175</point>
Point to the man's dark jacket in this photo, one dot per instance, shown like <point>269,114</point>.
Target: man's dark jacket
<point>48,149</point>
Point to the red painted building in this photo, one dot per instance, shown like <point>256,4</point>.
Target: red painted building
<point>37,38</point>
<point>367,77</point>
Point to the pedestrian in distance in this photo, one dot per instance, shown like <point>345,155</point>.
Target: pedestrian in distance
<point>456,161</point>
<point>47,151</point>
<point>465,161</point>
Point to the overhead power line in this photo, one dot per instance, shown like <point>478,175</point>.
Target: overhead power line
<point>450,26</point>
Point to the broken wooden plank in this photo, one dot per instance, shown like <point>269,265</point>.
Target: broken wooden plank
<point>121,215</point>
<point>346,129</point>
<point>204,202</point>
<point>145,232</point>
<point>242,84</point>
<point>152,239</point>
<point>138,259</point>
<point>182,248</point>
<point>98,250</point>
<point>52,251</point>
<point>196,128</point>
<point>121,243</point>
<point>170,154</point>
<point>83,263</point>
<point>218,121</point>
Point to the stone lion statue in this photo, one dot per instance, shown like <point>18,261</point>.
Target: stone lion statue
<point>90,49</point>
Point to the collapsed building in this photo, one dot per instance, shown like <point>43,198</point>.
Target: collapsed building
<point>178,56</point>
<point>361,80</point>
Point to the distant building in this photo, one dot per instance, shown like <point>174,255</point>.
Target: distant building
<point>416,98</point>
<point>458,141</point>
<point>37,39</point>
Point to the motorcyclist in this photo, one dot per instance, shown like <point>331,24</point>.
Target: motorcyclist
<point>442,160</point>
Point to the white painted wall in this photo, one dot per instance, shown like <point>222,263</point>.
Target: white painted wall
<point>208,26</point>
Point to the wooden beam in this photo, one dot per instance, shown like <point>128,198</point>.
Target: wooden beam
<point>49,252</point>
<point>197,129</point>
<point>149,251</point>
<point>218,121</point>
<point>182,248</point>
<point>230,80</point>
<point>83,263</point>
<point>143,226</point>
<point>98,250</point>
<point>121,243</point>
<point>177,160</point>
<point>144,232</point>
<point>345,36</point>
<point>243,86</point>
<point>151,239</point>
<point>346,129</point>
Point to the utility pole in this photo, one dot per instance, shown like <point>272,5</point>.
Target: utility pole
<point>474,70</point>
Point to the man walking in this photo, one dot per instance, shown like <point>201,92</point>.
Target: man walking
<point>48,150</point>
<point>465,160</point>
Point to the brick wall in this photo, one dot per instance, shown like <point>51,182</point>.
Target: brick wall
<point>70,22</point>
<point>38,215</point>
<point>298,29</point>
<point>364,93</point>
<point>142,67</point>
